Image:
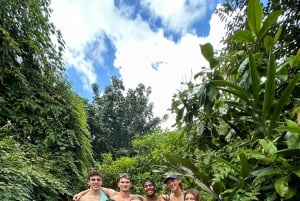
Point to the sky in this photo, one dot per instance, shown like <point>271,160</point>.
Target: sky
<point>153,42</point>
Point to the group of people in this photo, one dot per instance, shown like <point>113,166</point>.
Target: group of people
<point>96,192</point>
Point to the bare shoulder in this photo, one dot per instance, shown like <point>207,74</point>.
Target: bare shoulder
<point>116,197</point>
<point>84,198</point>
<point>110,192</point>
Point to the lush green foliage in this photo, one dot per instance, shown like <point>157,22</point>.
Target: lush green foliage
<point>238,138</point>
<point>233,117</point>
<point>116,116</point>
<point>44,137</point>
<point>149,160</point>
<point>233,13</point>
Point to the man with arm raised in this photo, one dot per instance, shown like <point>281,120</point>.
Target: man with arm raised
<point>124,185</point>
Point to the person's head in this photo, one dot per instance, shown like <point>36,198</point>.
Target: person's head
<point>124,182</point>
<point>94,180</point>
<point>124,176</point>
<point>173,182</point>
<point>136,198</point>
<point>149,187</point>
<point>192,195</point>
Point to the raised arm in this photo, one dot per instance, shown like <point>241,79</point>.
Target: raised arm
<point>110,192</point>
<point>77,196</point>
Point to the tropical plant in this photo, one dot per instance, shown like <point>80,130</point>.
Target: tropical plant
<point>44,137</point>
<point>236,116</point>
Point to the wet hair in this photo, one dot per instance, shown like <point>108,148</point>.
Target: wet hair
<point>94,173</point>
<point>194,192</point>
<point>149,180</point>
<point>137,197</point>
<point>124,175</point>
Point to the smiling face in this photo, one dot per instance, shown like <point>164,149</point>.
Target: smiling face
<point>173,184</point>
<point>149,189</point>
<point>95,182</point>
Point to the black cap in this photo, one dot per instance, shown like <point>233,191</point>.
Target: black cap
<point>170,176</point>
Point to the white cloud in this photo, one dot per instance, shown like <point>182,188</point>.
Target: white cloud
<point>137,46</point>
<point>177,15</point>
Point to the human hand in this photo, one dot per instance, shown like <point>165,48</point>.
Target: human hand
<point>164,197</point>
<point>76,197</point>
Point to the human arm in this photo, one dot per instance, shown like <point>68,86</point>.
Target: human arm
<point>164,197</point>
<point>110,192</point>
<point>77,196</point>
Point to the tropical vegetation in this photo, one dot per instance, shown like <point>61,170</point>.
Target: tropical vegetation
<point>237,134</point>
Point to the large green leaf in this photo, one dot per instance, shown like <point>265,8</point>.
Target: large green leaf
<point>269,86</point>
<point>229,164</point>
<point>254,15</point>
<point>254,77</point>
<point>271,19</point>
<point>244,108</point>
<point>269,171</point>
<point>294,130</point>
<point>245,171</point>
<point>283,188</point>
<point>268,146</point>
<point>294,60</point>
<point>234,89</point>
<point>269,43</point>
<point>208,53</point>
<point>188,164</point>
<point>200,178</point>
<point>285,96</point>
<point>244,36</point>
<point>277,35</point>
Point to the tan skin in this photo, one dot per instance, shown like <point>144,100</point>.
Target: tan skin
<point>192,195</point>
<point>150,192</point>
<point>124,185</point>
<point>93,194</point>
<point>177,194</point>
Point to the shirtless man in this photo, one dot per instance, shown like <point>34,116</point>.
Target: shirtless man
<point>94,194</point>
<point>174,184</point>
<point>149,188</point>
<point>124,184</point>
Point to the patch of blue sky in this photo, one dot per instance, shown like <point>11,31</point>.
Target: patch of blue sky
<point>155,65</point>
<point>72,73</point>
<point>103,67</point>
<point>201,27</point>
<point>128,8</point>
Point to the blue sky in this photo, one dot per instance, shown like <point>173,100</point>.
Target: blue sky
<point>154,42</point>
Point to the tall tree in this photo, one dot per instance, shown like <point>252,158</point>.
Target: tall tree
<point>116,116</point>
<point>40,117</point>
